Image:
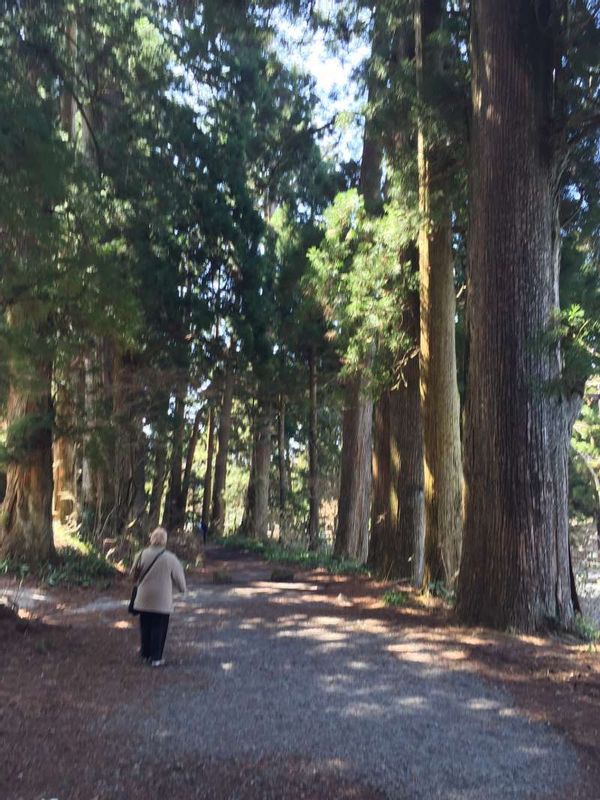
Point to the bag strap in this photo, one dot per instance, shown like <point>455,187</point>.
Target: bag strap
<point>154,560</point>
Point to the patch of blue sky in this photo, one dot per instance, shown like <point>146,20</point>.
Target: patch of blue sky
<point>336,86</point>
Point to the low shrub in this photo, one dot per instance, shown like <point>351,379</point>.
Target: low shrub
<point>395,598</point>
<point>587,630</point>
<point>75,568</point>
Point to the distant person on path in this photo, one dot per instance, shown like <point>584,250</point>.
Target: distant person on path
<point>156,570</point>
<point>203,531</point>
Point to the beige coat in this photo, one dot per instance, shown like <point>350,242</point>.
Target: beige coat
<point>155,592</point>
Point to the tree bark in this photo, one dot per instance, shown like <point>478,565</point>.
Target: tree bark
<point>255,522</point>
<point>440,402</point>
<point>174,512</point>
<point>352,533</point>
<point>281,457</point>
<point>217,524</point>
<point>129,446</point>
<point>189,458</point>
<point>313,462</point>
<point>208,472</point>
<point>398,522</point>
<point>99,452</point>
<point>160,474</point>
<point>515,566</point>
<point>26,516</point>
<point>64,452</point>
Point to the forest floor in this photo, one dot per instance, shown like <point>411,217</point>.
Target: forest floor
<point>302,690</point>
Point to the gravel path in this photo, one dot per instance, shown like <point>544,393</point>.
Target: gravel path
<point>272,674</point>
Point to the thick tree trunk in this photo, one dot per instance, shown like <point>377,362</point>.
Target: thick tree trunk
<point>99,452</point>
<point>352,534</point>
<point>189,458</point>
<point>398,523</point>
<point>26,515</point>
<point>313,462</point>
<point>439,389</point>
<point>217,524</point>
<point>255,523</point>
<point>129,447</point>
<point>173,513</point>
<point>515,567</point>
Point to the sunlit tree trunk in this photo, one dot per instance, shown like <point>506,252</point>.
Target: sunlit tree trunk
<point>88,488</point>
<point>352,534</point>
<point>439,389</point>
<point>208,472</point>
<point>398,522</point>
<point>64,454</point>
<point>515,566</point>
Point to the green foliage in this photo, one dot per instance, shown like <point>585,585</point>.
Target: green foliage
<point>587,630</point>
<point>273,551</point>
<point>584,466</point>
<point>10,567</point>
<point>439,589</point>
<point>73,566</point>
<point>362,279</point>
<point>395,598</point>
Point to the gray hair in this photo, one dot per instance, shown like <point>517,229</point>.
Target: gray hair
<point>158,537</point>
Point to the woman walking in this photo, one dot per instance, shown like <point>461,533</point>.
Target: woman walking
<point>156,571</point>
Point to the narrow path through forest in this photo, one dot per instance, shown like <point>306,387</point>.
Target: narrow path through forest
<point>307,689</point>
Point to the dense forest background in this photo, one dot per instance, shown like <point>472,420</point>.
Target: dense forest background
<point>367,324</point>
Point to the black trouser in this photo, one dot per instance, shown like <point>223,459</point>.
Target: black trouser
<point>153,628</point>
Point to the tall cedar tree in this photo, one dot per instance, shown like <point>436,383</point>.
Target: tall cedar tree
<point>439,389</point>
<point>354,504</point>
<point>515,567</point>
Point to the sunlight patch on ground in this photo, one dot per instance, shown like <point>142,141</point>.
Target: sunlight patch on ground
<point>483,704</point>
<point>412,653</point>
<point>24,598</point>
<point>313,633</point>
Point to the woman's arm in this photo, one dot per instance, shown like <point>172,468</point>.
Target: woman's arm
<point>135,567</point>
<point>178,575</point>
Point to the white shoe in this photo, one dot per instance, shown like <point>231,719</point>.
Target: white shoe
<point>157,663</point>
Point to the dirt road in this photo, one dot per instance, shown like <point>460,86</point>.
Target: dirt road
<point>308,689</point>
